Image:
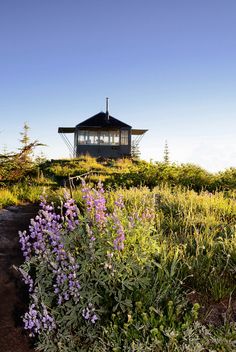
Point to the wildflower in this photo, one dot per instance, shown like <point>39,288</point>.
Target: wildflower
<point>95,203</point>
<point>89,314</point>
<point>118,227</point>
<point>71,214</point>
<point>37,321</point>
<point>119,203</point>
<point>27,279</point>
<point>46,242</point>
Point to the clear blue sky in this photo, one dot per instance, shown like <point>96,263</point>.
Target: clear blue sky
<point>168,66</point>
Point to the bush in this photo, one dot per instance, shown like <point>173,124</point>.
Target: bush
<point>115,276</point>
<point>95,278</point>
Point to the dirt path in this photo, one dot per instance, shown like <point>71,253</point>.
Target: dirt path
<point>12,294</point>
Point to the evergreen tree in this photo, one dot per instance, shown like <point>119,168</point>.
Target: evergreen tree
<point>15,166</point>
<point>25,135</point>
<point>135,152</point>
<point>166,153</point>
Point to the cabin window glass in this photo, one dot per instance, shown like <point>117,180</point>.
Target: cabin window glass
<point>124,137</point>
<point>114,137</point>
<point>92,137</point>
<point>88,137</point>
<point>104,137</point>
<point>82,137</point>
<point>99,137</point>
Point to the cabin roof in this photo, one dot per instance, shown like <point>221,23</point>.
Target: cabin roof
<point>138,132</point>
<point>100,120</point>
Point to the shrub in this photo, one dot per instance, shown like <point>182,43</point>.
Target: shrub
<point>116,275</point>
<point>96,278</point>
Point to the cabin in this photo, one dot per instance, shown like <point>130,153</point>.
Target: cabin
<point>102,135</point>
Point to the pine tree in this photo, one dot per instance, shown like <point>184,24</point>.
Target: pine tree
<point>15,166</point>
<point>166,153</point>
<point>25,135</point>
<point>135,152</point>
<point>25,142</point>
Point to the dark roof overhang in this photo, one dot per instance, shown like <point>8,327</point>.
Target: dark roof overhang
<point>66,129</point>
<point>136,132</point>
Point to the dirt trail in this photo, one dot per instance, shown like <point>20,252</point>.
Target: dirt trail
<point>12,293</point>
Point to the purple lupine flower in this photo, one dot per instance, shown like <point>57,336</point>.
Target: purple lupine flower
<point>25,244</point>
<point>32,320</point>
<point>95,203</point>
<point>43,229</point>
<point>67,285</point>
<point>120,238</point>
<point>45,240</point>
<point>131,223</point>
<point>148,214</point>
<point>92,238</point>
<point>71,214</point>
<point>120,202</point>
<point>94,318</point>
<point>88,197</point>
<point>100,205</point>
<point>37,321</point>
<point>89,314</point>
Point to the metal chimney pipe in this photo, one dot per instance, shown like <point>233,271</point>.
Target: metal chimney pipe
<point>107,109</point>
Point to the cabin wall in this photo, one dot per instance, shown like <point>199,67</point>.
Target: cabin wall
<point>104,151</point>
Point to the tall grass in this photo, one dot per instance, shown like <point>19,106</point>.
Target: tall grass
<point>22,193</point>
<point>7,198</point>
<point>201,227</point>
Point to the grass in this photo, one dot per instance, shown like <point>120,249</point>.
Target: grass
<point>7,198</point>
<point>202,228</point>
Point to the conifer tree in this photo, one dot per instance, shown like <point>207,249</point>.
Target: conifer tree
<point>15,166</point>
<point>166,153</point>
<point>25,135</point>
<point>135,152</point>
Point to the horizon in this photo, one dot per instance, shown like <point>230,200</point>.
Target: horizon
<point>167,67</point>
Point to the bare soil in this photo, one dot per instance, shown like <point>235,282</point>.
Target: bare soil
<point>13,294</point>
<point>215,313</point>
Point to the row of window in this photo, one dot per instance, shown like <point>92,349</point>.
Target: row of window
<point>103,137</point>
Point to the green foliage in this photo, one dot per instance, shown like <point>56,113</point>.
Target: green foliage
<point>134,173</point>
<point>114,173</point>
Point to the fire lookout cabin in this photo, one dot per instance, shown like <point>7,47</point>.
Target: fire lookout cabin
<point>102,135</point>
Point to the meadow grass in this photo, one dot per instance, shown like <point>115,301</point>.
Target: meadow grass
<point>7,198</point>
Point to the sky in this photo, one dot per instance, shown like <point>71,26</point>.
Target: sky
<point>168,66</point>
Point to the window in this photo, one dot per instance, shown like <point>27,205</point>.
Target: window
<point>88,137</point>
<point>110,137</point>
<point>92,137</point>
<point>114,137</point>
<point>82,136</point>
<point>100,137</point>
<point>124,137</point>
<point>104,137</point>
